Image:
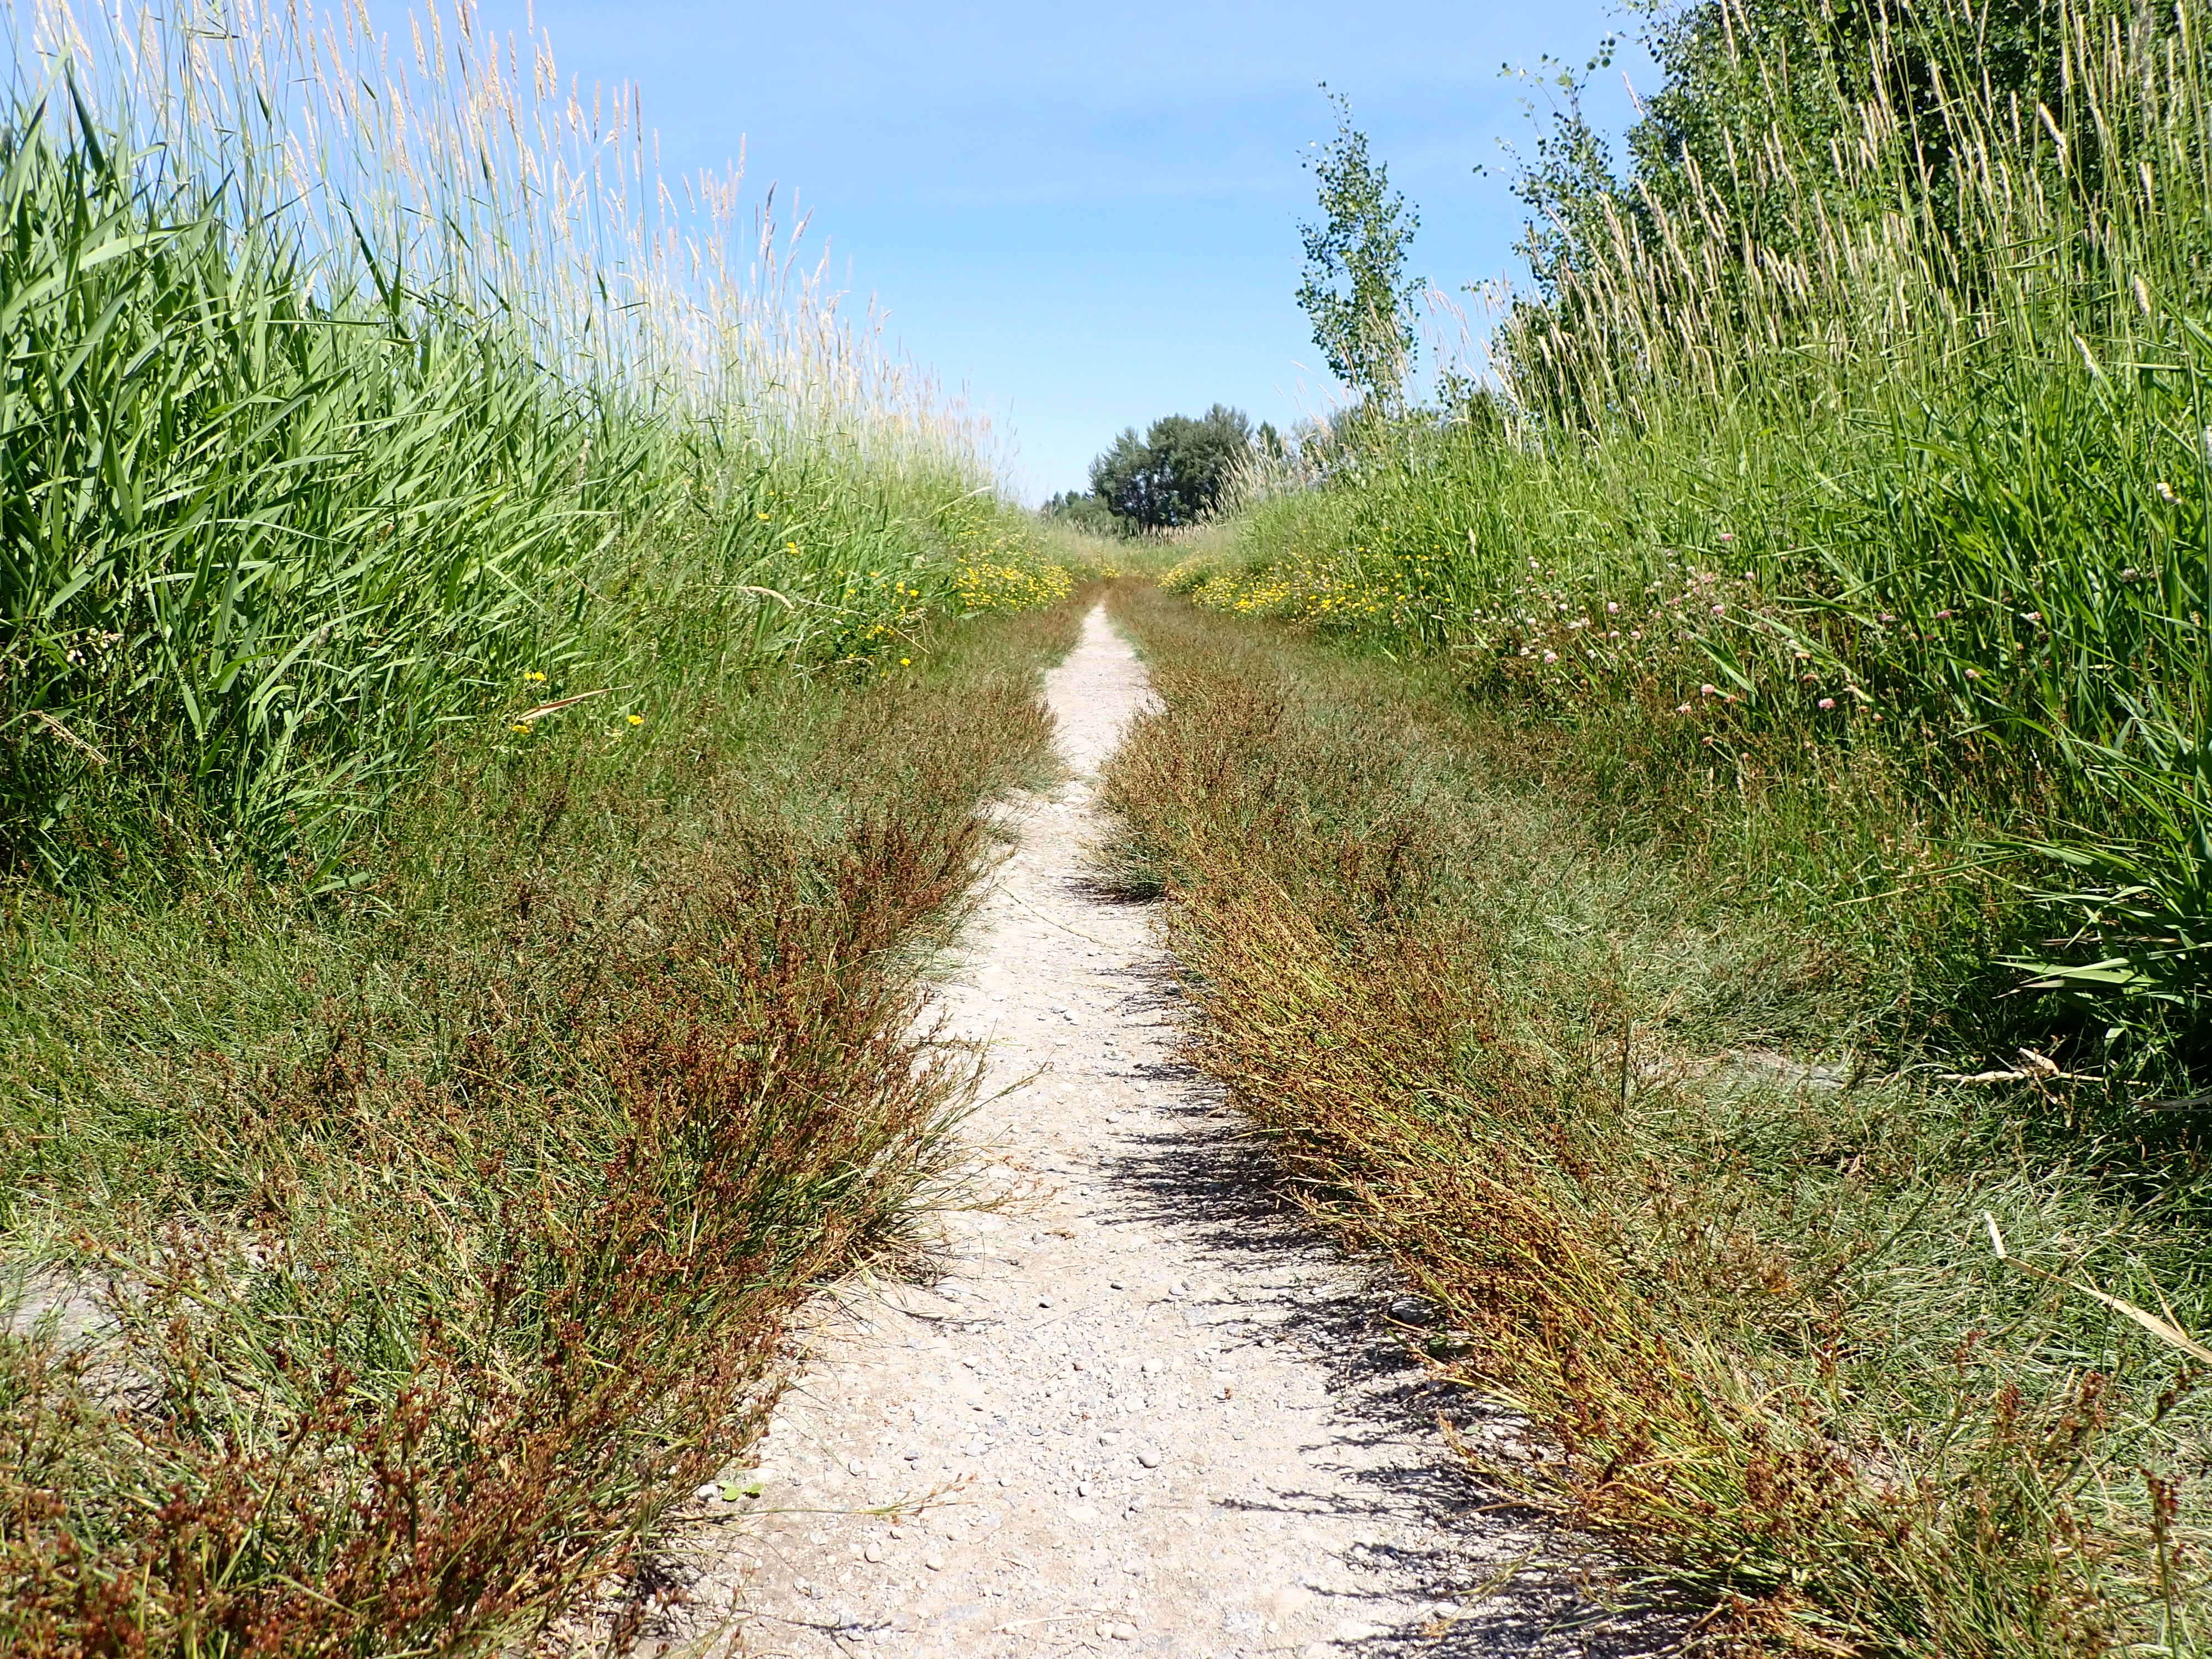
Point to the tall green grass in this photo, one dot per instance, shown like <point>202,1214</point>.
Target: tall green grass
<point>356,387</point>
<point>1889,433</point>
<point>497,679</point>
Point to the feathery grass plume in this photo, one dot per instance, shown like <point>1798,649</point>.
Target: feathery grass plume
<point>351,373</point>
<point>1867,407</point>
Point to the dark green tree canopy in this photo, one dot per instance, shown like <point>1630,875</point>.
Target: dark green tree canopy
<point>1085,511</point>
<point>1173,475</point>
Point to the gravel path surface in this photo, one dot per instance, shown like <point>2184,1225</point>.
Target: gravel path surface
<point>1145,1409</point>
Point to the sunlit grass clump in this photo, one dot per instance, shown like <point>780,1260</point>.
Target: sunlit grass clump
<point>1748,956</point>
<point>491,730</point>
<point>348,375</point>
<point>1863,1355</point>
<point>1892,430</point>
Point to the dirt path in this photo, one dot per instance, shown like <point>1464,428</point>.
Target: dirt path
<point>1156,1415</point>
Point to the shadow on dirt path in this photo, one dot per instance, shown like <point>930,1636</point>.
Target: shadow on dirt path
<point>1146,1408</point>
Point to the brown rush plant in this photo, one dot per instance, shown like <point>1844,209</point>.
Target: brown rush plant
<point>1629,1117</point>
<point>386,1270</point>
<point>497,686</point>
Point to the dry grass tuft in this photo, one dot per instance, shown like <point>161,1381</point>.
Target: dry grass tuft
<point>440,1235</point>
<point>1747,1300</point>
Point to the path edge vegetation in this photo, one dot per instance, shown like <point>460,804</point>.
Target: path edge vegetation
<point>1805,1123</point>
<point>1742,1283</point>
<point>388,1268</point>
<point>501,680</point>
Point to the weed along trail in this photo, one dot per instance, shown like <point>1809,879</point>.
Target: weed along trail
<point>1144,1409</point>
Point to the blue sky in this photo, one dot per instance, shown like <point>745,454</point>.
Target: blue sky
<point>1086,217</point>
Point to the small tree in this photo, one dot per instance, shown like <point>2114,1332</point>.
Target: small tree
<point>1355,291</point>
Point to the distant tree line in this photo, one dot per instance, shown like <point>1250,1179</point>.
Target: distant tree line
<point>1172,476</point>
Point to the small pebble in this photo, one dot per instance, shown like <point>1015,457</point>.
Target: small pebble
<point>934,1562</point>
<point>1150,1459</point>
<point>873,1553</point>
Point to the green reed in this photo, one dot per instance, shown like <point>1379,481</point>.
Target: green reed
<point>319,433</point>
<point>1847,448</point>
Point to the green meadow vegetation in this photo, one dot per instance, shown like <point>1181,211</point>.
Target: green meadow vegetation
<point>1621,1120</point>
<point>389,1264</point>
<point>1696,842</point>
<point>1728,916</point>
<point>498,679</point>
<point>278,517</point>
